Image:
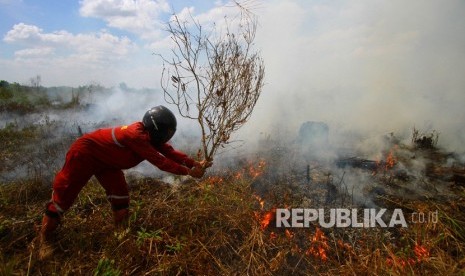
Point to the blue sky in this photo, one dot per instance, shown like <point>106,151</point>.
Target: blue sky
<point>401,62</point>
<point>51,15</point>
<point>85,38</point>
<point>55,15</point>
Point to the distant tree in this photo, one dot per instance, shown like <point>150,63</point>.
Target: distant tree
<point>5,91</point>
<point>88,91</point>
<point>4,84</point>
<point>16,87</point>
<point>214,76</point>
<point>36,82</point>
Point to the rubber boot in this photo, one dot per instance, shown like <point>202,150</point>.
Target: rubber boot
<point>121,217</point>
<point>46,233</point>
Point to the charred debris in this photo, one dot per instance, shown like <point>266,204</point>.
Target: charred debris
<point>311,170</point>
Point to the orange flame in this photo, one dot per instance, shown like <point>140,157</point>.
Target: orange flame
<point>260,201</point>
<point>255,172</point>
<point>212,180</point>
<point>400,262</point>
<point>390,160</point>
<point>296,249</point>
<point>319,245</point>
<point>389,163</point>
<point>266,219</point>
<point>421,252</point>
<point>251,170</point>
<point>345,246</point>
<point>289,234</point>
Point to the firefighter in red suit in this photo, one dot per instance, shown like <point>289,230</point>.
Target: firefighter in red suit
<point>104,153</point>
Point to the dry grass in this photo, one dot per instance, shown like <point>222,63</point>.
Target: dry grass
<point>216,226</point>
<point>213,228</point>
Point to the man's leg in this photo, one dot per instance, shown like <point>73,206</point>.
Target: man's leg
<point>76,171</point>
<point>116,188</point>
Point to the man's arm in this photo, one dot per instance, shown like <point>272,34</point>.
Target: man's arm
<point>177,156</point>
<point>145,150</point>
<point>166,159</point>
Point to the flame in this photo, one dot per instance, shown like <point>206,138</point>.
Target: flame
<point>388,163</point>
<point>212,180</point>
<point>390,160</point>
<point>238,175</point>
<point>255,172</point>
<point>289,234</point>
<point>251,170</point>
<point>421,252</point>
<point>345,246</point>
<point>319,245</point>
<point>296,249</point>
<point>402,262</point>
<point>260,201</point>
<point>266,219</point>
<point>273,235</point>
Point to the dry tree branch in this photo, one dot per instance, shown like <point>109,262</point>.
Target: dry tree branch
<point>214,78</point>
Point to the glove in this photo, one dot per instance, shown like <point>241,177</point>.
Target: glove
<point>197,172</point>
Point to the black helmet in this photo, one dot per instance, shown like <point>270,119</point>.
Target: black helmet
<point>160,122</point>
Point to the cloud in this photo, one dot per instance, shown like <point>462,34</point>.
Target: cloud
<point>34,52</point>
<point>185,14</point>
<point>22,31</point>
<point>92,48</point>
<point>64,58</point>
<point>140,17</point>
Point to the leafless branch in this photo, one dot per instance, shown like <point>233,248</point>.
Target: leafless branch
<point>214,78</point>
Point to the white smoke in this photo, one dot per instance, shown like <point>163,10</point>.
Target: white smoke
<point>363,67</point>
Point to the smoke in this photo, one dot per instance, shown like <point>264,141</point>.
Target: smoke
<point>371,71</point>
<point>364,68</point>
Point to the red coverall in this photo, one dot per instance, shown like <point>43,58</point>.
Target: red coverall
<point>105,153</point>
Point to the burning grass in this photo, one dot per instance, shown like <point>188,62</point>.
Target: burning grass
<point>216,227</point>
<point>225,224</point>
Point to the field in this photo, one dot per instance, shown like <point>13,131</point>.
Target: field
<point>224,224</point>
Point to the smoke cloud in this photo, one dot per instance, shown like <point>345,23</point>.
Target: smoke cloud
<point>363,67</point>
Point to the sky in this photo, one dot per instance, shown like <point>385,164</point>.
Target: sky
<point>367,65</point>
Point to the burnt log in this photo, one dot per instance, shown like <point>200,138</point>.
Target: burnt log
<point>355,162</point>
